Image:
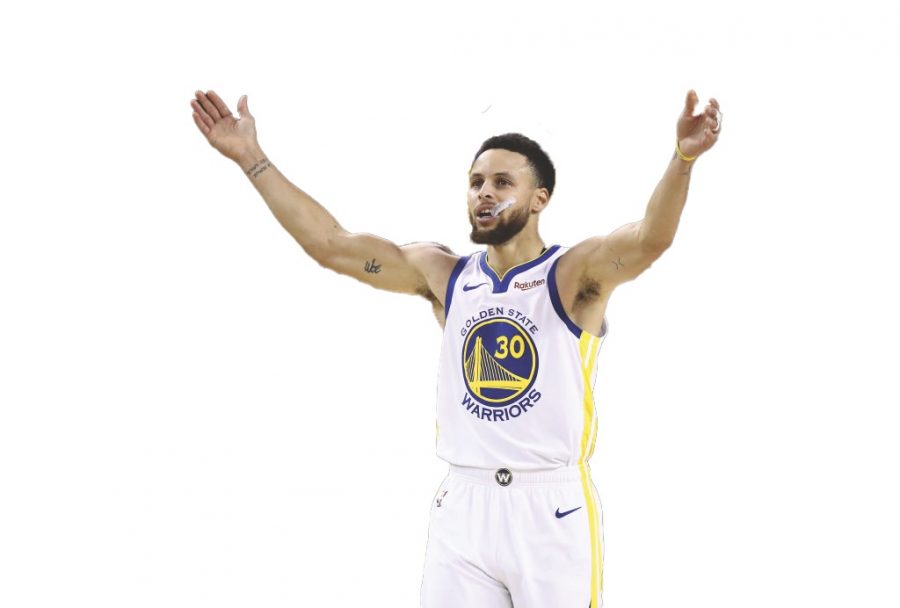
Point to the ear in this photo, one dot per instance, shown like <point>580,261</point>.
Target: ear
<point>539,200</point>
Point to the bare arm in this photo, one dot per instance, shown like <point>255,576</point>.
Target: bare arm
<point>628,251</point>
<point>365,257</point>
<point>418,268</point>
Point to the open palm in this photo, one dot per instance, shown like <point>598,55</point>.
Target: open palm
<point>231,136</point>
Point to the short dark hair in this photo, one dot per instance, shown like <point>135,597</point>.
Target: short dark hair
<point>530,149</point>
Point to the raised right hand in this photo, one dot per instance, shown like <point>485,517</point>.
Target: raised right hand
<point>234,138</point>
<point>697,134</point>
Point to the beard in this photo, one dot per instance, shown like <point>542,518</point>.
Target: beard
<point>508,226</point>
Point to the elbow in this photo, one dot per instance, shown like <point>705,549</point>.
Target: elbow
<point>656,246</point>
<point>654,239</point>
<point>324,247</point>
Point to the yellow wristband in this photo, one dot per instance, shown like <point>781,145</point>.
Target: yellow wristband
<point>681,154</point>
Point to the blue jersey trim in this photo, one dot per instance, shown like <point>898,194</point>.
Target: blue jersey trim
<point>460,264</point>
<point>501,285</point>
<point>557,302</point>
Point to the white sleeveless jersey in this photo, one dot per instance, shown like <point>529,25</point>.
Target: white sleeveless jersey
<point>516,375</point>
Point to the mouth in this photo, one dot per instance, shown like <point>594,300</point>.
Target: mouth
<point>484,215</point>
<point>487,212</point>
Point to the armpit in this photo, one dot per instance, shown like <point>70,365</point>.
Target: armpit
<point>426,293</point>
<point>437,307</point>
<point>589,290</point>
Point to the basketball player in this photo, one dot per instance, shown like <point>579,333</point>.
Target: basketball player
<point>517,520</point>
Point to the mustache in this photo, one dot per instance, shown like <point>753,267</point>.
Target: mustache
<point>504,230</point>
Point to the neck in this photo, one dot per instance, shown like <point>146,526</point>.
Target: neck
<point>519,250</point>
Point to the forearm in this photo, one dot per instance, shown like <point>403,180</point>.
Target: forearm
<point>666,204</point>
<point>365,257</point>
<point>311,225</point>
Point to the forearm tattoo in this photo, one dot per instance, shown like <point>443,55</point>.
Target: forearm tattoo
<point>258,168</point>
<point>372,267</point>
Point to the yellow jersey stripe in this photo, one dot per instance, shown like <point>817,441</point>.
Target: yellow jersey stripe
<point>598,520</point>
<point>589,387</point>
<point>588,345</point>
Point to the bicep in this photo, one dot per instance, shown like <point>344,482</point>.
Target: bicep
<point>375,261</point>
<point>421,269</point>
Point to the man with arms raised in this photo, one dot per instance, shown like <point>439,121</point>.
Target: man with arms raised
<point>517,520</point>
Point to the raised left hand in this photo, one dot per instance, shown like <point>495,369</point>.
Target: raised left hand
<point>697,134</point>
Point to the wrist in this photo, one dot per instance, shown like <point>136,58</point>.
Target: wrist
<point>681,155</point>
<point>250,157</point>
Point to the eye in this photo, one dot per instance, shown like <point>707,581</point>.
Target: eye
<point>476,182</point>
<point>505,181</point>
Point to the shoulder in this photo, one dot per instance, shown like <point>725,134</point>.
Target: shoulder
<point>573,260</point>
<point>580,254</point>
<point>428,256</point>
<point>435,262</point>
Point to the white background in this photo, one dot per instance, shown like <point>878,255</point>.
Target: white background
<point>193,413</point>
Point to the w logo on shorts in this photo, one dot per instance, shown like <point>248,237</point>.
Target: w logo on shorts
<point>503,477</point>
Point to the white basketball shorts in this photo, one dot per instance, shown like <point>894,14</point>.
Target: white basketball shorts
<point>514,539</point>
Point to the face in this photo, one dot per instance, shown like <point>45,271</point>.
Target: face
<point>498,176</point>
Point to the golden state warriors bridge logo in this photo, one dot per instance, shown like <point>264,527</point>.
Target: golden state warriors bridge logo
<point>500,364</point>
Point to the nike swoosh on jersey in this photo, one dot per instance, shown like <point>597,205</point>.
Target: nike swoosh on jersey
<point>561,515</point>
<point>468,287</point>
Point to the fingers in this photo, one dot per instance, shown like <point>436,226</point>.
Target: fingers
<point>713,110</point>
<point>690,103</point>
<point>711,118</point>
<point>711,132</point>
<point>711,115</point>
<point>208,106</point>
<point>200,124</point>
<point>219,104</point>
<point>242,108</point>
<point>204,117</point>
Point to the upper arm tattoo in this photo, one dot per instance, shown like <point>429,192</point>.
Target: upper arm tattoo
<point>372,267</point>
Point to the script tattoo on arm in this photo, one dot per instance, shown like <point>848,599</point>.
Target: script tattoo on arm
<point>618,263</point>
<point>258,168</point>
<point>372,267</point>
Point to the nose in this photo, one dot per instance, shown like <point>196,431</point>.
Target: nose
<point>484,193</point>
